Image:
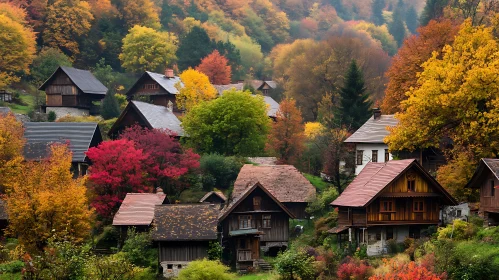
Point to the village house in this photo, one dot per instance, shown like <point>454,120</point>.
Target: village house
<point>5,96</point>
<point>146,115</point>
<point>390,200</point>
<point>284,182</point>
<point>255,221</point>
<point>183,233</point>
<point>486,180</point>
<point>71,91</point>
<point>157,88</point>
<point>265,86</point>
<point>214,197</point>
<point>80,137</point>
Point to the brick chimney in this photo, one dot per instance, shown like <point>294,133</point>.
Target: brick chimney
<point>169,73</point>
<point>159,191</point>
<point>376,113</point>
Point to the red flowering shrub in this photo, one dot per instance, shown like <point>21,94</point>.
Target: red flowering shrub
<point>406,271</point>
<point>353,269</point>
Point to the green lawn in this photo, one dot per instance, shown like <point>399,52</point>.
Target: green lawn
<point>316,181</point>
<point>23,109</point>
<point>259,276</point>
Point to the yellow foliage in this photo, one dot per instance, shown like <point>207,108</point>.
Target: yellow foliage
<point>189,23</point>
<point>456,173</point>
<point>11,148</point>
<point>196,88</point>
<point>141,12</point>
<point>44,200</point>
<point>313,129</point>
<point>16,14</point>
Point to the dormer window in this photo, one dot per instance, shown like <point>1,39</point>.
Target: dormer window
<point>411,182</point>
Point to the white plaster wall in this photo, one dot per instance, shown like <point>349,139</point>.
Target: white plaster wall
<point>368,148</point>
<point>400,233</point>
<point>64,111</point>
<point>450,213</point>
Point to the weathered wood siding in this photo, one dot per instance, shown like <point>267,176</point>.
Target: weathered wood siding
<point>404,210</point>
<point>489,201</point>
<point>183,251</point>
<point>298,209</point>
<point>143,89</point>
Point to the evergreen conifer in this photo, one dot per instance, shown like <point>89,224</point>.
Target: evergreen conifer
<point>110,107</point>
<point>377,12</point>
<point>193,47</point>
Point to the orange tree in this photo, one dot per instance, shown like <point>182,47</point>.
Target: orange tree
<point>11,147</point>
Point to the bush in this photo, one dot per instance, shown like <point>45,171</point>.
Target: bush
<point>111,267</point>
<point>353,269</point>
<point>321,204</point>
<point>326,263</point>
<point>215,251</point>
<point>205,269</point>
<point>110,108</point>
<point>138,249</point>
<point>11,267</point>
<point>323,224</point>
<point>51,117</point>
<point>294,264</point>
<point>459,230</point>
<point>411,270</point>
<point>219,171</point>
<point>474,260</point>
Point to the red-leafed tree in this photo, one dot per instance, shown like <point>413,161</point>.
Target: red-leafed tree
<point>117,169</point>
<point>166,161</point>
<point>287,137</point>
<point>216,67</point>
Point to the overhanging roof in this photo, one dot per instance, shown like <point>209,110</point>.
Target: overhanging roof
<point>485,164</point>
<point>373,131</point>
<point>83,79</point>
<point>137,209</point>
<point>168,84</point>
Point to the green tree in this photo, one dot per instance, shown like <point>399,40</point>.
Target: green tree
<point>411,19</point>
<point>397,27</point>
<point>234,124</point>
<point>46,62</point>
<point>354,109</point>
<point>229,51</point>
<point>193,47</point>
<point>110,107</point>
<point>147,49</point>
<point>434,9</point>
<point>377,7</point>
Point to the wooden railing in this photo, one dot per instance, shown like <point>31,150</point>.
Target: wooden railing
<point>243,255</point>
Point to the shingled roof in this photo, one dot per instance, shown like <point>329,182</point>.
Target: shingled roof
<point>284,182</point>
<point>272,106</point>
<point>83,79</point>
<point>39,136</point>
<point>217,193</point>
<point>485,164</point>
<point>222,88</point>
<point>376,176</point>
<point>137,209</point>
<point>168,84</point>
<point>373,131</point>
<point>185,222</point>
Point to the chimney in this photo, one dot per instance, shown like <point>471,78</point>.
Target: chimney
<point>376,113</point>
<point>159,191</point>
<point>169,73</point>
<point>169,106</point>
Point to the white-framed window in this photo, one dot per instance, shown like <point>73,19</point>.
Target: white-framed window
<point>245,221</point>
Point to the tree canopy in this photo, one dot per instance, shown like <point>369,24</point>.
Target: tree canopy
<point>216,67</point>
<point>195,87</point>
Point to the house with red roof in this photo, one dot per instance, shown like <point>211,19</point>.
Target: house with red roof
<point>391,200</point>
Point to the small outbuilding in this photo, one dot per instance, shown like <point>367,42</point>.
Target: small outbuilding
<point>215,197</point>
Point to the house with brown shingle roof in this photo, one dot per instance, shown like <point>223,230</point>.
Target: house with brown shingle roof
<point>486,180</point>
<point>389,200</point>
<point>183,233</point>
<point>284,182</point>
<point>216,197</point>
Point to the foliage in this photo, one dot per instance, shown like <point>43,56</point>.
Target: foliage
<point>286,136</point>
<point>397,26</point>
<point>377,7</point>
<point>353,269</point>
<point>456,174</point>
<point>145,49</point>
<point>407,63</point>
<point>381,34</point>
<point>320,205</point>
<point>459,230</point>
<point>433,10</point>
<point>138,249</point>
<point>110,267</point>
<point>411,19</point>
<point>216,67</point>
<point>215,251</point>
<point>109,107</point>
<point>219,171</point>
<point>192,48</point>
<point>195,87</point>
<point>294,264</point>
<point>51,116</point>
<point>45,199</point>
<point>17,45</point>
<point>312,130</point>
<point>234,124</point>
<point>140,12</point>
<point>205,269</point>
<point>11,149</point>
<point>46,62</point>
<point>325,222</point>
<point>401,270</point>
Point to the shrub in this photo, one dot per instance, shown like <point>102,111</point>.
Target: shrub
<point>138,250</point>
<point>51,116</point>
<point>215,251</point>
<point>320,205</point>
<point>459,230</point>
<point>353,269</point>
<point>409,270</point>
<point>394,247</point>
<point>205,269</point>
<point>323,224</point>
<point>474,260</point>
<point>11,267</point>
<point>326,263</point>
<point>295,264</point>
<point>219,171</point>
<point>111,267</point>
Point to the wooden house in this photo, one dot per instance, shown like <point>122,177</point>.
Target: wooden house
<point>215,197</point>
<point>146,115</point>
<point>254,221</point>
<point>158,88</point>
<point>71,91</point>
<point>183,233</point>
<point>5,96</point>
<point>80,137</point>
<point>486,180</point>
<point>389,200</point>
<point>266,86</point>
<point>284,182</point>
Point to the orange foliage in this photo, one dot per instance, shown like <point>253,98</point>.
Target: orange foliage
<point>216,67</point>
<point>402,271</point>
<point>407,63</point>
<point>11,147</point>
<point>287,134</point>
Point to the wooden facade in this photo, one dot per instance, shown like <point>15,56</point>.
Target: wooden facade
<point>149,90</point>
<point>182,251</point>
<point>485,181</point>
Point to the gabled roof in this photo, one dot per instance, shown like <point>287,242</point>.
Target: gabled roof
<point>373,131</point>
<point>240,198</point>
<point>167,84</point>
<point>271,84</point>
<point>284,182</point>
<point>154,116</point>
<point>185,222</point>
<point>83,79</point>
<point>272,106</point>
<point>137,209</point>
<point>39,136</point>
<point>222,88</point>
<point>217,193</point>
<point>376,176</point>
<point>485,164</point>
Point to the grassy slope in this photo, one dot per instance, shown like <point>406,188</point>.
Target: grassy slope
<point>23,109</point>
<point>316,181</point>
<point>259,276</point>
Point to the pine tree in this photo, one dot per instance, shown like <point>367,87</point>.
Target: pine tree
<point>397,27</point>
<point>193,47</point>
<point>433,9</point>
<point>354,108</point>
<point>411,19</point>
<point>377,7</point>
<point>110,107</point>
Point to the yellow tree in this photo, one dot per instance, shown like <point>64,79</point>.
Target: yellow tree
<point>11,147</point>
<point>44,200</point>
<point>140,12</point>
<point>17,44</point>
<point>195,87</point>
<point>67,21</point>
<point>147,49</point>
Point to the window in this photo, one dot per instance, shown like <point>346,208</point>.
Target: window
<point>418,206</point>
<point>179,266</point>
<point>266,221</point>
<point>360,155</point>
<point>243,244</point>
<point>387,155</point>
<point>151,86</point>
<point>169,266</point>
<point>459,213</point>
<point>257,202</point>
<point>492,188</point>
<point>411,185</point>
<point>244,221</point>
<point>386,206</point>
<point>374,157</point>
<point>389,233</point>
